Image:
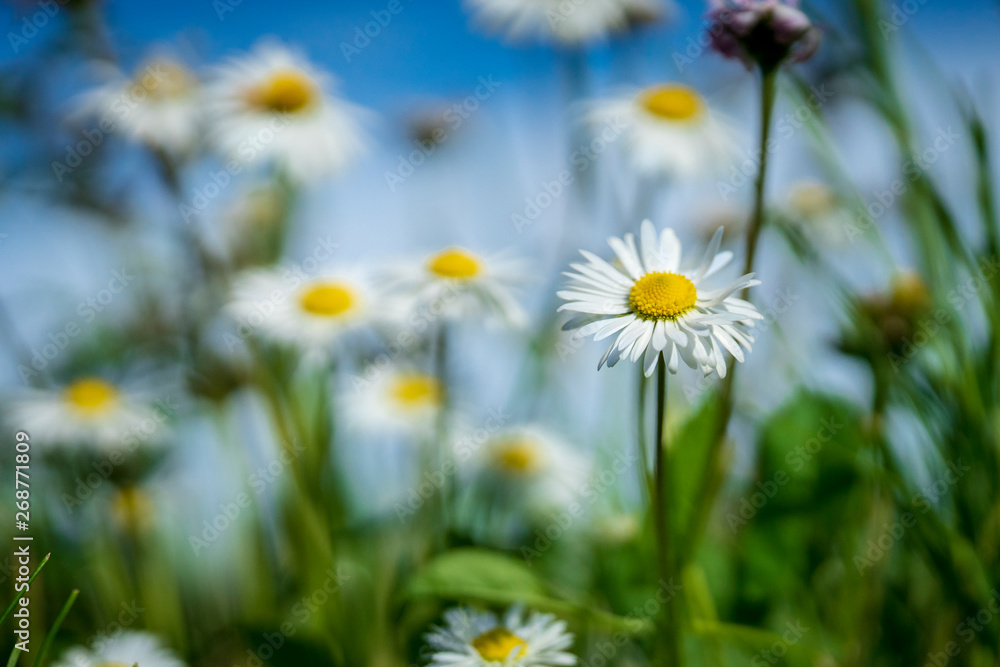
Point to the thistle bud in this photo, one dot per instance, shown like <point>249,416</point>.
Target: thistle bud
<point>762,32</point>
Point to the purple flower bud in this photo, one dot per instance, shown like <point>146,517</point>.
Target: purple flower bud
<point>762,32</point>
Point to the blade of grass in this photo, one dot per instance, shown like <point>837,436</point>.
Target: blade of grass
<point>55,628</point>
<point>30,579</point>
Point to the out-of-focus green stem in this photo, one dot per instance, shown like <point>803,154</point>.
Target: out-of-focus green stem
<point>714,474</point>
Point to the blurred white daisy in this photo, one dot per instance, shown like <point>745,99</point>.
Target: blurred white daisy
<point>310,313</point>
<point>527,467</point>
<point>159,105</point>
<point>653,306</point>
<point>128,648</point>
<point>396,401</point>
<point>559,20</point>
<point>816,209</point>
<point>472,638</point>
<point>669,131</point>
<point>88,411</point>
<point>272,106</point>
<point>460,284</point>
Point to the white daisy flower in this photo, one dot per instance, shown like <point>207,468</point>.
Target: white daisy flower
<point>460,284</point>
<point>89,411</point>
<point>128,648</point>
<point>272,106</point>
<point>311,313</point>
<point>817,209</point>
<point>669,131</point>
<point>652,306</point>
<point>527,466</point>
<point>471,638</point>
<point>397,401</point>
<point>159,105</point>
<point>558,20</point>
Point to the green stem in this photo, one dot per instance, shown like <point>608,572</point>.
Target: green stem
<point>769,81</point>
<point>54,629</point>
<point>661,516</point>
<point>714,474</point>
<point>442,428</point>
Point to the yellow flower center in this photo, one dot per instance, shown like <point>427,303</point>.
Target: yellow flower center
<point>662,296</point>
<point>132,508</point>
<point>812,200</point>
<point>163,79</point>
<point>672,102</point>
<point>285,91</point>
<point>518,456</point>
<point>327,299</point>
<point>416,391</point>
<point>455,263</point>
<point>91,396</point>
<point>497,644</point>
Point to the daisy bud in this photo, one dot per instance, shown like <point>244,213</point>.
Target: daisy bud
<point>762,32</point>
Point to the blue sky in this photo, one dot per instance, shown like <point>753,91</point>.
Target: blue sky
<point>431,48</point>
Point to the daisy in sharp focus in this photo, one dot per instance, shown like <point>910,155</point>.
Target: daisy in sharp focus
<point>558,20</point>
<point>311,313</point>
<point>670,131</point>
<point>463,285</point>
<point>123,650</point>
<point>471,638</point>
<point>159,105</point>
<point>272,106</point>
<point>399,401</point>
<point>89,411</point>
<point>653,307</point>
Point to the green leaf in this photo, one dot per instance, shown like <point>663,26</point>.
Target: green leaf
<point>690,449</point>
<point>30,579</point>
<point>756,639</point>
<point>51,635</point>
<point>479,575</point>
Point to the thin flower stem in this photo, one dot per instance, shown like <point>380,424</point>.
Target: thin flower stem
<point>661,516</point>
<point>442,430</point>
<point>714,473</point>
